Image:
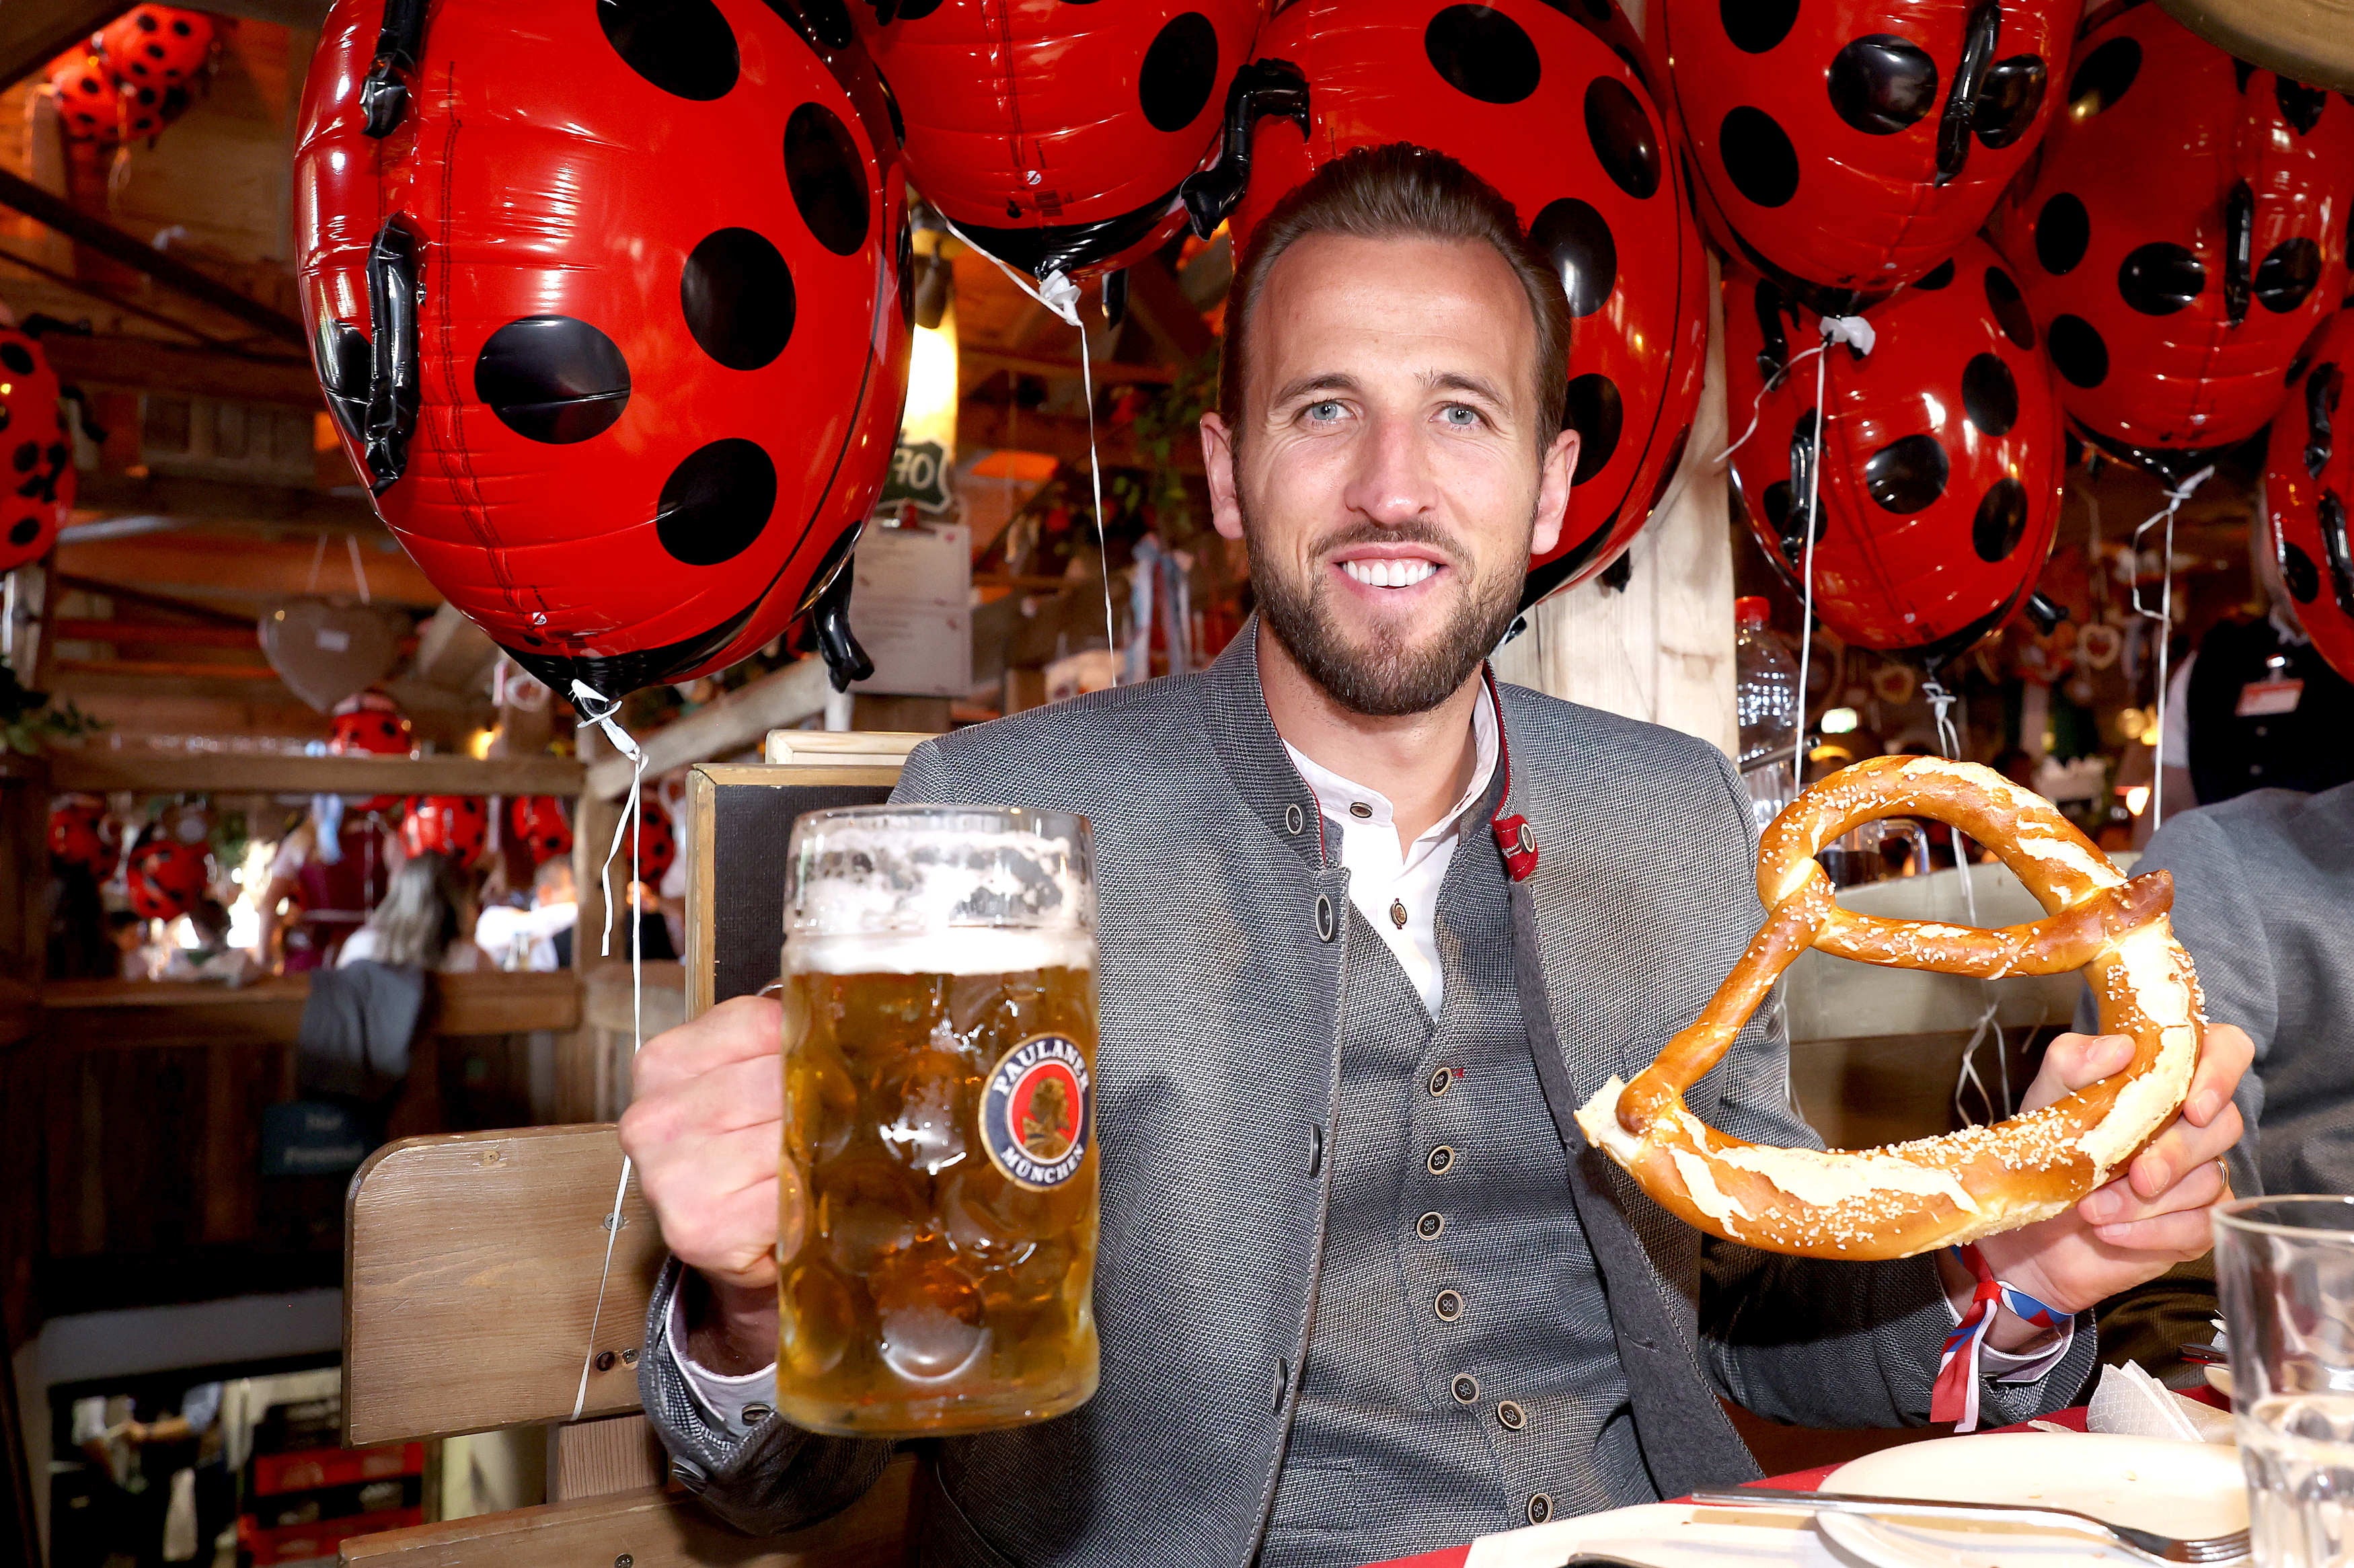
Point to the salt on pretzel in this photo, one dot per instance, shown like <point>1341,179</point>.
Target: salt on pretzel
<point>1909,1198</point>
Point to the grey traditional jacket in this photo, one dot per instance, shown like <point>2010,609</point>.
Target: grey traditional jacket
<point>1224,936</point>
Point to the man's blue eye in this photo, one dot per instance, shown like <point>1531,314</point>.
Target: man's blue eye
<point>1461,417</point>
<point>1324,410</point>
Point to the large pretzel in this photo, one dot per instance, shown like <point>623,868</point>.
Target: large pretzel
<point>1911,1197</point>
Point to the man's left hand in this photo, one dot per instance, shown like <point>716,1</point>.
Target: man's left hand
<point>2154,1215</point>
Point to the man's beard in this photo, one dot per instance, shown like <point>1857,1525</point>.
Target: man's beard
<point>1385,677</point>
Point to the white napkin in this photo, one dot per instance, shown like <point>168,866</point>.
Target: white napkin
<point>2129,1402</point>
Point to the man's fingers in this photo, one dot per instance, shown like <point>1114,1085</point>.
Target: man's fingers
<point>2225,1054</point>
<point>739,1094</point>
<point>737,1029</point>
<point>2124,1201</point>
<point>2182,1148</point>
<point>2074,1061</point>
<point>2180,1236</point>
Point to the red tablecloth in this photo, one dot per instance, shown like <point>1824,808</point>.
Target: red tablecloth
<point>1798,1480</point>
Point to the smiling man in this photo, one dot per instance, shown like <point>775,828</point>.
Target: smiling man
<point>1372,926</point>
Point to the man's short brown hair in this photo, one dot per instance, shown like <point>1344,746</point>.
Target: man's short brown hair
<point>1401,192</point>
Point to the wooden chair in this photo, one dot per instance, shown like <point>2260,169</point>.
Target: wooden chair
<point>472,1261</point>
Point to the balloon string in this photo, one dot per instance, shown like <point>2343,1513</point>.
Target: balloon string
<point>2164,615</point>
<point>1758,404</point>
<point>1060,296</point>
<point>1806,571</point>
<point>359,572</point>
<point>1949,742</point>
<point>318,556</point>
<point>595,708</point>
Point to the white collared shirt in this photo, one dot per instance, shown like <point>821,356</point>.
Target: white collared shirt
<point>1388,882</point>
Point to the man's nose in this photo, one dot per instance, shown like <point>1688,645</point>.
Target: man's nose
<point>1392,482</point>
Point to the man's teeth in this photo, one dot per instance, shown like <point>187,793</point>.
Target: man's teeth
<point>1389,573</point>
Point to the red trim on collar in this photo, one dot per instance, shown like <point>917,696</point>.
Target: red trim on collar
<point>1514,838</point>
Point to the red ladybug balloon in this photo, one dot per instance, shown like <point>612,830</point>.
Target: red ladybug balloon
<point>88,99</point>
<point>538,823</point>
<point>76,836</point>
<point>1055,136</point>
<point>145,110</point>
<point>371,725</point>
<point>610,304</point>
<point>2182,236</point>
<point>2308,486</point>
<point>37,471</point>
<point>454,827</point>
<point>156,45</point>
<point>1854,144</point>
<point>1942,461</point>
<point>166,877</point>
<point>1553,115</point>
<point>657,845</point>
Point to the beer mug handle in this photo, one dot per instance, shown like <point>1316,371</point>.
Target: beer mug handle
<point>774,988</point>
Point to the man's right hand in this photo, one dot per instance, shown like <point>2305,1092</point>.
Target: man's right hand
<point>705,1128</point>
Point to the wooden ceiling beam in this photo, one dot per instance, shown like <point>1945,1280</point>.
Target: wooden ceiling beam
<point>147,365</point>
<point>100,769</point>
<point>1173,321</point>
<point>992,425</point>
<point>197,499</point>
<point>35,32</point>
<point>978,365</point>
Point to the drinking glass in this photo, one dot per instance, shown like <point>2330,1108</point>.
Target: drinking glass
<point>2285,1268</point>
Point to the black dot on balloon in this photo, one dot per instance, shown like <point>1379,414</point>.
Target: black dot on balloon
<point>917,10</point>
<point>551,378</point>
<point>145,20</point>
<point>1179,70</point>
<point>1906,475</point>
<point>737,297</point>
<point>1758,157</point>
<point>2062,231</point>
<point>683,46</point>
<point>2300,105</point>
<point>2298,574</point>
<point>2102,78</point>
<point>828,178</point>
<point>1756,26</point>
<point>2078,352</point>
<point>1936,277</point>
<point>1594,411</point>
<point>1776,502</point>
<point>28,454</point>
<point>1622,138</point>
<point>825,23</point>
<point>906,264</point>
<point>1578,240</point>
<point>16,357</point>
<point>715,503</point>
<point>2287,274</point>
<point>1990,394</point>
<point>2008,102</point>
<point>2243,73</point>
<point>2009,308</point>
<point>1482,53</point>
<point>2160,277</point>
<point>1881,83</point>
<point>2002,520</point>
<point>23,531</point>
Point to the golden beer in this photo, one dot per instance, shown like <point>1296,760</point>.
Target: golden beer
<point>939,1104</point>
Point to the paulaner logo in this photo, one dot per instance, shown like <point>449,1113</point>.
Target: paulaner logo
<point>1035,1112</point>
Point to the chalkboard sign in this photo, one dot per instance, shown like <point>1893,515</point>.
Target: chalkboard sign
<point>742,821</point>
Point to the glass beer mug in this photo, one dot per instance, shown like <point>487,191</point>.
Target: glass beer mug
<point>939,1046</point>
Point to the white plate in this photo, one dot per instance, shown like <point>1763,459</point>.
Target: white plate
<point>2177,1489</point>
<point>1665,1535</point>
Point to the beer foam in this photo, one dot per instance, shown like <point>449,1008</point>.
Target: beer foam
<point>961,951</point>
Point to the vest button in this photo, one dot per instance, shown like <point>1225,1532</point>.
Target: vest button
<point>1510,1416</point>
<point>1430,1224</point>
<point>1441,1080</point>
<point>1540,1509</point>
<point>1294,818</point>
<point>756,1414</point>
<point>1467,1388</point>
<point>1360,810</point>
<point>1449,1306</point>
<point>1324,923</point>
<point>1442,1161</point>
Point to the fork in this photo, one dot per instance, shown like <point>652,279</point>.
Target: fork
<point>2147,1543</point>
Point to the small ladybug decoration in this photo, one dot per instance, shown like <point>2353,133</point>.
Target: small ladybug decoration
<point>37,471</point>
<point>623,386</point>
<point>2308,486</point>
<point>1940,483</point>
<point>454,827</point>
<point>657,845</point>
<point>78,836</point>
<point>1549,110</point>
<point>2182,237</point>
<point>156,45</point>
<point>1852,145</point>
<point>90,105</point>
<point>1056,136</point>
<point>165,877</point>
<point>145,110</point>
<point>538,823</point>
<point>371,725</point>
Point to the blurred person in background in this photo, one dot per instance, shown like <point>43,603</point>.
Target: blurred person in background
<point>327,874</point>
<point>426,921</point>
<point>539,938</point>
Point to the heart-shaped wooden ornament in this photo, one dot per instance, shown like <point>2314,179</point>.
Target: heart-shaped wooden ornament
<point>327,649</point>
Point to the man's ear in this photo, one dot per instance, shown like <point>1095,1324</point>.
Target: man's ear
<point>1553,492</point>
<point>1218,469</point>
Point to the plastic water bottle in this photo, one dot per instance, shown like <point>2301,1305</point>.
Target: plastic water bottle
<point>1765,704</point>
